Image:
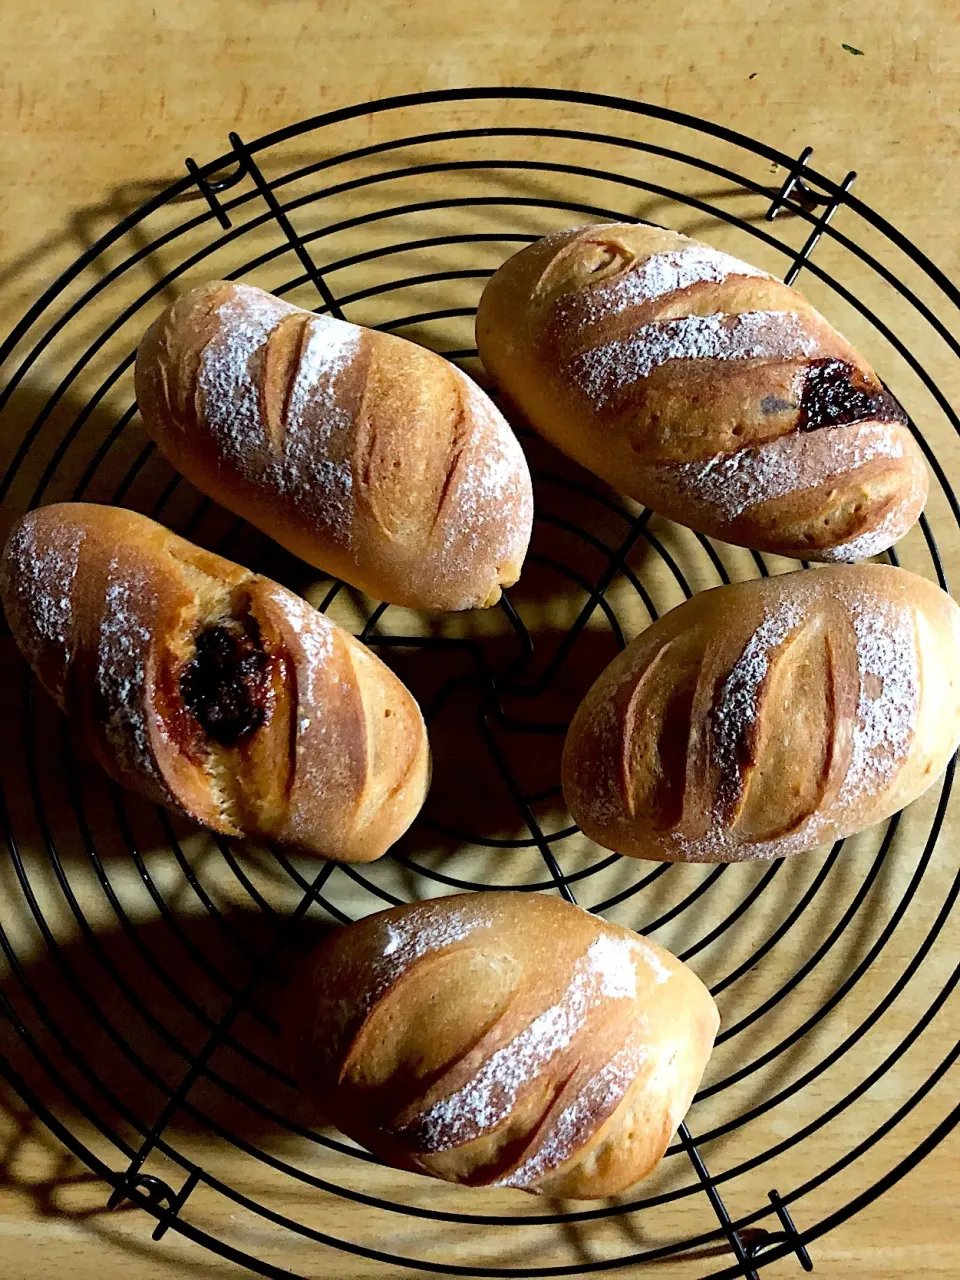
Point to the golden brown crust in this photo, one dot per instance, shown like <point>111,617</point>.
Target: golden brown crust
<point>366,455</point>
<point>768,717</point>
<point>311,742</point>
<point>703,388</point>
<point>502,1039</point>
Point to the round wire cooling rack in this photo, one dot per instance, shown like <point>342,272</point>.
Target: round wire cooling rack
<point>143,959</point>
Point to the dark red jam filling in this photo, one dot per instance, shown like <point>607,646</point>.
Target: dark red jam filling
<point>832,399</point>
<point>227,684</point>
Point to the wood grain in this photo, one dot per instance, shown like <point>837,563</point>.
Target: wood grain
<point>99,105</point>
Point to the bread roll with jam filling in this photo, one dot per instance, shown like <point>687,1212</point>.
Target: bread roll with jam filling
<point>703,388</point>
<point>210,689</point>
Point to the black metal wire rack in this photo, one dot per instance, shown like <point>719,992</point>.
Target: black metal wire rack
<point>140,956</point>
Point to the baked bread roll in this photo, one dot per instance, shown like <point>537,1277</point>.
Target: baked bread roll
<point>364,454</point>
<point>703,388</point>
<point>768,717</point>
<point>210,689</point>
<point>503,1039</point>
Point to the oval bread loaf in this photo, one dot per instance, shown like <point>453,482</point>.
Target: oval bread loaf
<point>768,717</point>
<point>210,689</point>
<point>503,1039</point>
<point>366,455</point>
<point>705,389</point>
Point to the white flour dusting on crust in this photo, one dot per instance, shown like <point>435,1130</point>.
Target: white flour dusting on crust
<point>230,365</point>
<point>887,709</point>
<point>719,843</point>
<point>750,335</point>
<point>491,500</point>
<point>230,370</point>
<point>43,574</point>
<point>580,1120</point>
<point>611,961</point>
<point>875,541</point>
<point>889,698</point>
<point>317,763</point>
<point>310,459</point>
<point>733,483</point>
<point>651,958</point>
<point>421,932</point>
<point>486,1100</point>
<point>734,712</point>
<point>314,414</point>
<point>123,649</point>
<point>316,635</point>
<point>661,274</point>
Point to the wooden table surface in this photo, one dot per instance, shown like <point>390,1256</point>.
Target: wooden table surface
<point>100,104</point>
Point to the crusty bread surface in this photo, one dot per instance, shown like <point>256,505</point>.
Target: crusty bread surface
<point>366,455</point>
<point>212,689</point>
<point>768,717</point>
<point>504,1039</point>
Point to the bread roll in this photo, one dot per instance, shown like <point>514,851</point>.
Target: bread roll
<point>768,717</point>
<point>503,1039</point>
<point>210,689</point>
<point>703,388</point>
<point>366,455</point>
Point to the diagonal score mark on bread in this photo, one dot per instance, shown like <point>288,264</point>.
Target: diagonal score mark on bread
<point>458,444</point>
<point>276,385</point>
<point>775,731</point>
<point>654,759</point>
<point>486,1086</point>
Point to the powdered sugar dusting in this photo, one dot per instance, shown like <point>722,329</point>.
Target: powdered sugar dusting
<point>750,335</point>
<point>486,1100</point>
<point>659,275</point>
<point>735,710</point>
<point>123,647</point>
<point>579,1121</point>
<point>733,483</point>
<point>889,697</point>
<point>39,581</point>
